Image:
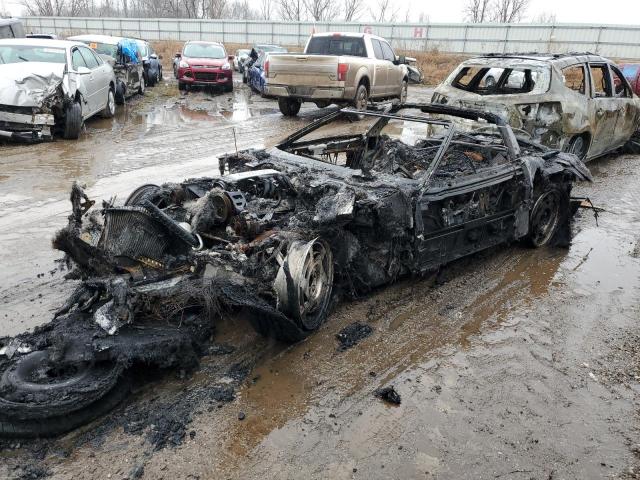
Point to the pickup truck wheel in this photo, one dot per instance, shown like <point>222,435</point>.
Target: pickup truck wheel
<point>119,94</point>
<point>362,98</point>
<point>110,108</point>
<point>73,121</point>
<point>289,106</point>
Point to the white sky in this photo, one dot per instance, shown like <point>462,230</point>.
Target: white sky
<point>566,11</point>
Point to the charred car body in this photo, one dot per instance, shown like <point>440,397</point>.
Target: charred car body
<point>579,103</point>
<point>49,86</point>
<point>124,56</point>
<point>337,209</point>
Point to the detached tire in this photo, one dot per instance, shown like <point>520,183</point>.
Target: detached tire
<point>549,215</point>
<point>12,427</point>
<point>289,107</point>
<point>73,121</point>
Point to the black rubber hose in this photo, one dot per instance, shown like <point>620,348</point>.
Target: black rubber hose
<point>169,223</point>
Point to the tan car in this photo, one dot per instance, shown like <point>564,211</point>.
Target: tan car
<point>579,103</point>
<point>340,68</point>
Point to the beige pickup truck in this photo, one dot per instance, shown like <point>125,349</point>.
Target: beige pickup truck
<point>340,68</point>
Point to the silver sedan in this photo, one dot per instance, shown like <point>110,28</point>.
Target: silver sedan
<point>51,86</point>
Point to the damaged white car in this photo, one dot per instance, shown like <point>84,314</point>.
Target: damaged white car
<point>50,87</point>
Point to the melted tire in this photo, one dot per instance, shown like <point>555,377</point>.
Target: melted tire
<point>11,427</point>
<point>23,399</point>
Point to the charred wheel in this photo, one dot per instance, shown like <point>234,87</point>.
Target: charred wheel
<point>304,283</point>
<point>39,386</point>
<point>547,215</point>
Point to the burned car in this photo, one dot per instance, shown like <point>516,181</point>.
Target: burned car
<point>124,55</point>
<point>580,103</point>
<point>335,210</point>
<point>51,87</point>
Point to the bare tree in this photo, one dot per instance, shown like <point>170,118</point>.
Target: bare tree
<point>266,9</point>
<point>321,10</point>
<point>352,9</point>
<point>478,11</point>
<point>545,17</point>
<point>509,11</point>
<point>384,11</point>
<point>217,8</point>
<point>293,10</point>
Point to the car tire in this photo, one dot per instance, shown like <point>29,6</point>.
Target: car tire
<point>182,86</point>
<point>579,146</point>
<point>142,86</point>
<point>73,121</point>
<point>289,107</point>
<point>120,93</point>
<point>110,108</point>
<point>228,88</point>
<point>244,77</point>
<point>362,98</point>
<point>175,71</point>
<point>150,80</point>
<point>549,214</point>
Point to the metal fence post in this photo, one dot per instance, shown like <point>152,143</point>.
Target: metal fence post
<point>464,41</point>
<point>506,39</point>
<point>599,37</point>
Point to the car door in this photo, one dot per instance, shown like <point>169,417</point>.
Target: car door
<point>394,72</point>
<point>379,83</point>
<point>98,78</point>
<point>85,83</point>
<point>603,109</point>
<point>471,206</point>
<point>626,106</point>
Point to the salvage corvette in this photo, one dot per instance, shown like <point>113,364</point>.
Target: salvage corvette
<point>353,201</point>
<point>51,86</point>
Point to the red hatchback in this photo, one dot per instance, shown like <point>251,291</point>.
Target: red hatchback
<point>632,72</point>
<point>203,64</point>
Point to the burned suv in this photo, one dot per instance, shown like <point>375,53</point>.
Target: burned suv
<point>335,210</point>
<point>580,103</point>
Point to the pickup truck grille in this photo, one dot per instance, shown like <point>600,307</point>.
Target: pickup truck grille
<point>207,76</point>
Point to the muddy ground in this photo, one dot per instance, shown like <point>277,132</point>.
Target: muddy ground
<point>512,364</point>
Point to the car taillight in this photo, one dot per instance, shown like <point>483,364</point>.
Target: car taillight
<point>266,68</point>
<point>343,68</point>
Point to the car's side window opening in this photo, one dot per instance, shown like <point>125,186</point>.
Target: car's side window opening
<point>620,84</point>
<point>574,78</point>
<point>377,49</point>
<point>600,79</point>
<point>77,60</point>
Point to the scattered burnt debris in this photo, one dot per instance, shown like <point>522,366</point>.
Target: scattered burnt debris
<point>279,236</point>
<point>352,334</point>
<point>389,395</point>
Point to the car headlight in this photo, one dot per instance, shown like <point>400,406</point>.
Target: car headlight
<point>226,66</point>
<point>183,64</point>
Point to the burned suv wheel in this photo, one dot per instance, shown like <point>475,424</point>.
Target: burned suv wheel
<point>547,216</point>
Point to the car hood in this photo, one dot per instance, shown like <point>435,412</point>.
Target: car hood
<point>209,62</point>
<point>29,84</point>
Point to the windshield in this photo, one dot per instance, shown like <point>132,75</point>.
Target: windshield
<point>102,48</point>
<point>409,144</point>
<point>31,53</point>
<point>337,45</point>
<point>630,71</point>
<point>204,50</point>
<point>501,80</point>
<point>243,53</point>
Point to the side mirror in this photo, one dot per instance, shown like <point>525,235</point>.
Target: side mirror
<point>400,60</point>
<point>83,71</point>
<point>178,55</point>
<point>154,56</point>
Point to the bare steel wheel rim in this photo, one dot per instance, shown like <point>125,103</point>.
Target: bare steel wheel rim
<point>577,147</point>
<point>304,283</point>
<point>313,289</point>
<point>545,217</point>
